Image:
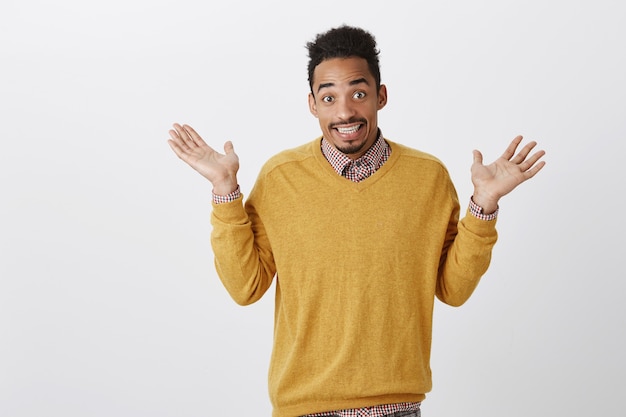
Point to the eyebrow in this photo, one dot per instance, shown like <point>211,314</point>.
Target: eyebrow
<point>353,82</point>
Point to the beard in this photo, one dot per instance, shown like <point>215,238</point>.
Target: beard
<point>351,149</point>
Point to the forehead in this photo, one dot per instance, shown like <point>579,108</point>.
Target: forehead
<point>338,71</point>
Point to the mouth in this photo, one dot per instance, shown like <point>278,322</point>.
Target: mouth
<point>349,137</point>
<point>349,130</point>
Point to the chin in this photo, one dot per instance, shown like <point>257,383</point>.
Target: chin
<point>351,149</point>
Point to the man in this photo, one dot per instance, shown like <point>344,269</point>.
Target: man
<point>361,233</point>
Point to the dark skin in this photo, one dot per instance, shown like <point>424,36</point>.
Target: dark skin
<point>345,101</point>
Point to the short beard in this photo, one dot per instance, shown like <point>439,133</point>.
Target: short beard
<point>351,149</point>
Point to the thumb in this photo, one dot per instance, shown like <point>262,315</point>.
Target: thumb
<point>478,157</point>
<point>228,147</point>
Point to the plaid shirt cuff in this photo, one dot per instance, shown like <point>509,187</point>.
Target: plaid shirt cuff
<point>219,199</point>
<point>477,211</point>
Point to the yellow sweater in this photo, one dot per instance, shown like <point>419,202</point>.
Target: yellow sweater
<point>358,266</point>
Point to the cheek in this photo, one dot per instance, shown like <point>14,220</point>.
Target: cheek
<point>323,116</point>
<point>372,112</point>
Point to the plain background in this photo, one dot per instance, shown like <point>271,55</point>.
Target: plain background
<point>109,303</point>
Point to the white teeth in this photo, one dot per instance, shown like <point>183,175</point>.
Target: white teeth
<point>348,130</point>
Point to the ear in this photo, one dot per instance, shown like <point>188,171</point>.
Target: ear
<point>382,96</point>
<point>312,105</point>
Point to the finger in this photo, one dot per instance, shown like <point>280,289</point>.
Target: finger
<point>193,135</point>
<point>177,149</point>
<point>183,134</point>
<point>534,170</point>
<point>478,157</point>
<point>521,156</point>
<point>178,140</point>
<point>510,150</point>
<point>229,148</point>
<point>174,134</point>
<point>528,164</point>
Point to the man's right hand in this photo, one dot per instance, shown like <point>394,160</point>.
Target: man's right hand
<point>220,169</point>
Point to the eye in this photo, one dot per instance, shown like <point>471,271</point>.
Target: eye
<point>359,95</point>
<point>328,99</point>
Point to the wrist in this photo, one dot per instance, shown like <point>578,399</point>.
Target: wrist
<point>225,187</point>
<point>226,198</point>
<point>487,203</point>
<point>478,211</point>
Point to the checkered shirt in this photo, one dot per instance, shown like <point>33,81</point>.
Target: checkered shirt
<point>376,411</point>
<point>359,169</point>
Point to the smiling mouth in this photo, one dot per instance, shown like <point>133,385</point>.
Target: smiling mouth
<point>348,130</point>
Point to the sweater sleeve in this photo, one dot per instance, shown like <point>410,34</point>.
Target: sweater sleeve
<point>465,258</point>
<point>243,258</point>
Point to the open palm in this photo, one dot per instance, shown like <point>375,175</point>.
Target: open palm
<point>499,178</point>
<point>220,169</point>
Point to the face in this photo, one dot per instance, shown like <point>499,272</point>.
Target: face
<point>346,103</point>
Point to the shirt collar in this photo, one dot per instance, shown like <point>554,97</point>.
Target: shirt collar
<point>374,156</point>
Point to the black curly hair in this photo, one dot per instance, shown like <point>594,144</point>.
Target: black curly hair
<point>343,42</point>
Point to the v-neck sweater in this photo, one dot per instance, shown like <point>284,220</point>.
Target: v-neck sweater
<point>357,269</point>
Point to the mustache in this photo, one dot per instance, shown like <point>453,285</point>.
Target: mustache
<point>347,122</point>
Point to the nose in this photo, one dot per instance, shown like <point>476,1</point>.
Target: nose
<point>345,109</point>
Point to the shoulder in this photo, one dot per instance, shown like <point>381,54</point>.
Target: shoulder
<point>289,157</point>
<point>417,167</point>
<point>416,157</point>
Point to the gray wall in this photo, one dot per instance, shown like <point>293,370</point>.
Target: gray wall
<point>109,302</point>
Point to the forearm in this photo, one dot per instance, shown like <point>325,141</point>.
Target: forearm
<point>467,258</point>
<point>245,268</point>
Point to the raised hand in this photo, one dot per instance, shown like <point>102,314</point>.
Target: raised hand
<point>220,169</point>
<point>493,181</point>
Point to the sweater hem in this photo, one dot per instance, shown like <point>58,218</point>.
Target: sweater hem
<point>324,406</point>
